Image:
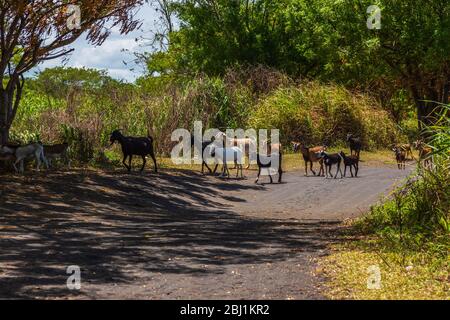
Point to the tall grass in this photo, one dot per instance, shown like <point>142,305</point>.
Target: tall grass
<point>315,113</point>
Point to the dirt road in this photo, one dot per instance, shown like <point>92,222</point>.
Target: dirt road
<point>175,235</point>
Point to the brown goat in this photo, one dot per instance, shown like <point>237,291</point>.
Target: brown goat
<point>424,152</point>
<point>407,148</point>
<point>57,151</point>
<point>311,155</point>
<point>400,156</point>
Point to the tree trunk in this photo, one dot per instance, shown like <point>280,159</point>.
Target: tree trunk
<point>5,125</point>
<point>4,136</point>
<point>9,102</point>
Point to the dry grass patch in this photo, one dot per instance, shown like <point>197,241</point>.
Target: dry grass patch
<point>410,277</point>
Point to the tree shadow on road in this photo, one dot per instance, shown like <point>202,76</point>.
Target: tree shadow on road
<point>117,227</point>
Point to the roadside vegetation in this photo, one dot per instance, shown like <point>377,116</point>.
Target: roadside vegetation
<point>83,107</point>
<point>407,236</point>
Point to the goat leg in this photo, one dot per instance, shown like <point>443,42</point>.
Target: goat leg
<point>321,168</point>
<point>15,167</point>
<point>312,168</point>
<point>129,162</point>
<point>259,173</point>
<point>21,168</point>
<point>45,160</point>
<point>144,163</point>
<point>37,156</point>
<point>207,167</point>
<point>152,155</point>
<point>125,162</point>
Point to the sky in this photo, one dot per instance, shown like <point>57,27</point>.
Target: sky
<point>110,55</point>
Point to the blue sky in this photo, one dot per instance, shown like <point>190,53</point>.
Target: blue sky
<point>110,55</point>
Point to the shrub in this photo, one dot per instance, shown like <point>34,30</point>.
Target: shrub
<point>315,113</point>
<point>419,212</point>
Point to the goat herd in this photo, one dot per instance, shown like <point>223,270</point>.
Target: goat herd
<point>143,147</point>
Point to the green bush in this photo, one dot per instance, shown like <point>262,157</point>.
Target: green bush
<point>24,137</point>
<point>314,113</point>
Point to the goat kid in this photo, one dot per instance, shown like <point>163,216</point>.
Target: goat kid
<point>23,152</point>
<point>140,146</point>
<point>330,160</point>
<point>352,162</point>
<point>400,156</point>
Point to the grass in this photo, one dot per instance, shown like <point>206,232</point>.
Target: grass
<point>323,113</point>
<point>291,161</point>
<point>404,275</point>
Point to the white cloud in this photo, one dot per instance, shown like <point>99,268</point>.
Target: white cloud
<point>110,55</point>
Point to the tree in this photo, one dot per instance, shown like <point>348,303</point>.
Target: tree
<point>322,39</point>
<point>216,34</point>
<point>34,31</point>
<point>411,47</point>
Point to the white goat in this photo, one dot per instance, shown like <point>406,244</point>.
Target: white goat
<point>248,146</point>
<point>24,152</point>
<point>225,155</point>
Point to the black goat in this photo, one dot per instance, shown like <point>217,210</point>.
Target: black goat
<point>330,160</point>
<point>355,145</point>
<point>205,145</point>
<point>267,164</point>
<point>352,162</point>
<point>141,146</point>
